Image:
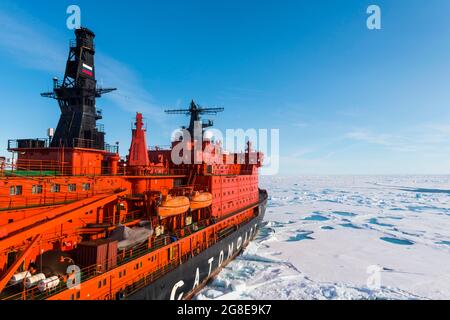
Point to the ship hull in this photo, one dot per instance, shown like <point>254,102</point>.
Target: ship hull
<point>191,276</point>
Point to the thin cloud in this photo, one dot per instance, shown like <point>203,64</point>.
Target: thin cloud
<point>394,142</point>
<point>131,94</point>
<point>427,138</point>
<point>28,46</point>
<point>25,40</point>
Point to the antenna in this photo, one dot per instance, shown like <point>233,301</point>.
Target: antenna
<point>195,111</point>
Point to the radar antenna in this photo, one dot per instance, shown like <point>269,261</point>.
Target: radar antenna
<point>195,111</point>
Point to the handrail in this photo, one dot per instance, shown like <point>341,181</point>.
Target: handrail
<point>124,257</point>
<point>51,168</point>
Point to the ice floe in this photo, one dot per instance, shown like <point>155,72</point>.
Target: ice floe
<point>324,235</point>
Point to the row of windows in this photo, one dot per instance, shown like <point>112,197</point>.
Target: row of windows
<point>122,273</point>
<point>231,205</point>
<point>75,296</point>
<point>102,283</point>
<point>240,179</point>
<point>138,265</point>
<point>54,188</point>
<point>228,193</point>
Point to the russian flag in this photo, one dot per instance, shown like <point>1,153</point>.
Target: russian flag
<point>87,70</point>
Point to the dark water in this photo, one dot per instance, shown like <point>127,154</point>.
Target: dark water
<point>301,236</point>
<point>316,218</point>
<point>401,242</point>
<point>350,225</point>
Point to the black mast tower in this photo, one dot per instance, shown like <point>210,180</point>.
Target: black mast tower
<point>76,95</point>
<point>195,111</point>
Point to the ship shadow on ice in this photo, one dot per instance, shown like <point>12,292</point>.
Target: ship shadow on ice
<point>351,226</point>
<point>424,190</point>
<point>374,221</point>
<point>344,214</point>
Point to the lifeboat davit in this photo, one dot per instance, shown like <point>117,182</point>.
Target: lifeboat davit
<point>173,206</point>
<point>201,200</point>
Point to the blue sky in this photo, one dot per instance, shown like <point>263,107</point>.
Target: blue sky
<point>346,100</point>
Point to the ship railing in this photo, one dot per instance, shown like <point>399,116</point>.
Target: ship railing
<point>122,258</point>
<point>29,167</point>
<point>159,148</point>
<point>34,143</point>
<point>222,234</point>
<point>83,143</point>
<point>130,217</point>
<point>193,228</point>
<point>152,171</point>
<point>40,143</point>
<point>90,272</point>
<point>111,148</point>
<point>35,168</point>
<point>141,282</point>
<point>100,127</point>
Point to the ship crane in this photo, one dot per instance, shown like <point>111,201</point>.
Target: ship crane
<point>195,111</point>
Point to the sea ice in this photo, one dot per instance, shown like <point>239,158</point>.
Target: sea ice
<point>324,235</point>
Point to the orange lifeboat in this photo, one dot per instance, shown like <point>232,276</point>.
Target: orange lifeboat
<point>173,206</point>
<point>201,200</point>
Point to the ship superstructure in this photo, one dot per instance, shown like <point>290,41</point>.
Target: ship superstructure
<point>78,222</point>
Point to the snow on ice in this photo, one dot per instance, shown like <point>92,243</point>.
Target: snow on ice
<point>331,237</point>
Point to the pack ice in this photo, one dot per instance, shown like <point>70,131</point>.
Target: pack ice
<point>344,237</point>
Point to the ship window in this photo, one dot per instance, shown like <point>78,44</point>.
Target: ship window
<point>99,284</point>
<point>120,274</point>
<point>55,188</point>
<point>78,295</point>
<point>36,189</point>
<point>104,282</point>
<point>15,190</point>
<point>72,187</point>
<point>86,186</point>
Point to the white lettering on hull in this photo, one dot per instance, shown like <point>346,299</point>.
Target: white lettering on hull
<point>240,242</point>
<point>197,279</point>
<point>177,285</point>
<point>210,261</point>
<point>230,250</point>
<point>221,258</point>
